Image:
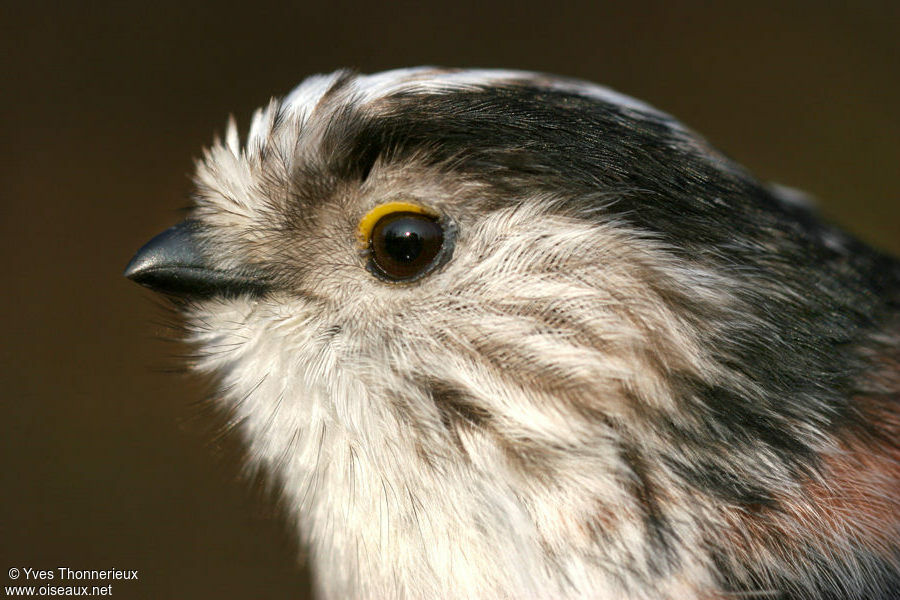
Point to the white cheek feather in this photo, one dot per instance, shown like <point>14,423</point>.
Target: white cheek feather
<point>365,502</point>
<point>382,521</point>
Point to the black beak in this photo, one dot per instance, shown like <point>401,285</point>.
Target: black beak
<point>174,263</point>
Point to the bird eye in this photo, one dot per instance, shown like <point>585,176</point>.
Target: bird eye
<point>403,241</point>
<point>404,245</point>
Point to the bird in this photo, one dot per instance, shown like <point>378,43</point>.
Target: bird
<point>505,334</point>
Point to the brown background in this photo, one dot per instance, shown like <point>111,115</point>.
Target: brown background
<point>107,460</point>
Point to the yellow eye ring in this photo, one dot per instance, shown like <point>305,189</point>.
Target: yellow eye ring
<point>364,230</point>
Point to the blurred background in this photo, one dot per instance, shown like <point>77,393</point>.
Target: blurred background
<point>108,458</point>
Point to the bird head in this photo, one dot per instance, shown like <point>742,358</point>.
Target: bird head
<point>549,317</point>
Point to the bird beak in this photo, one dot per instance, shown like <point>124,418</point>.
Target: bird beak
<point>173,263</point>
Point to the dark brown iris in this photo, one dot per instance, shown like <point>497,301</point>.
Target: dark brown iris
<point>405,244</point>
